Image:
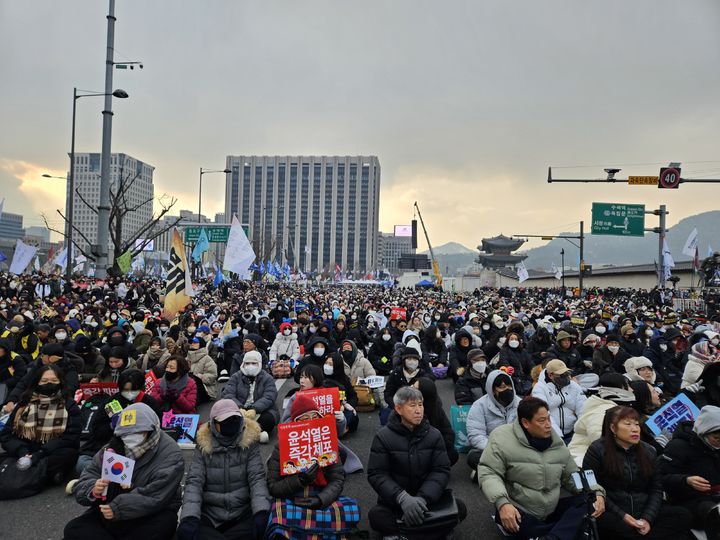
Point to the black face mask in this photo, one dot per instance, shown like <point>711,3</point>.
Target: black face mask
<point>116,340</point>
<point>347,355</point>
<point>230,426</point>
<point>171,375</point>
<point>48,389</point>
<point>505,397</point>
<point>561,382</point>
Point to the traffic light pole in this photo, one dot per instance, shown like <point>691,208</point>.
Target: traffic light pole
<point>661,231</point>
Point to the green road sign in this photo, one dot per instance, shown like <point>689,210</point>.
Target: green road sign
<point>214,234</point>
<point>618,219</point>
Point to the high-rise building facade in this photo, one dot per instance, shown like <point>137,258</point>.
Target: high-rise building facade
<point>124,169</point>
<point>390,248</point>
<point>312,212</point>
<point>11,226</point>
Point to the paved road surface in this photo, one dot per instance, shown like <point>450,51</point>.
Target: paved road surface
<point>42,517</point>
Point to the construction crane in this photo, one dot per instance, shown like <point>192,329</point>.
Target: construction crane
<point>435,265</point>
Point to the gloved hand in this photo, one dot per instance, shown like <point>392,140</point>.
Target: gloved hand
<point>663,438</point>
<point>188,529</point>
<point>339,416</point>
<point>308,477</point>
<point>695,388</point>
<point>260,522</point>
<point>413,508</point>
<point>308,502</point>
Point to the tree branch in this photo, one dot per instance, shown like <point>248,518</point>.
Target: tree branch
<point>48,227</point>
<point>77,192</point>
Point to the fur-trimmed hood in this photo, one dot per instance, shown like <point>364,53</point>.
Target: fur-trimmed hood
<point>250,434</point>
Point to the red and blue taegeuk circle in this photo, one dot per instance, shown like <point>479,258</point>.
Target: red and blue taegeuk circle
<point>117,468</point>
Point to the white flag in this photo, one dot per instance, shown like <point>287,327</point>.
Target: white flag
<point>239,254</point>
<point>22,258</point>
<point>61,258</point>
<point>556,271</point>
<point>36,264</point>
<point>522,272</point>
<point>691,244</point>
<point>710,251</point>
<point>668,261</point>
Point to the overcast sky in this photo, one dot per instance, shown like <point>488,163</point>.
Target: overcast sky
<point>466,103</point>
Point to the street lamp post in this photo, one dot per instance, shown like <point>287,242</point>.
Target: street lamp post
<point>206,171</point>
<point>71,178</point>
<point>562,262</point>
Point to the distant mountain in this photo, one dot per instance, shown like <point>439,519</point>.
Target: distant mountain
<point>614,250</point>
<point>451,248</point>
<point>453,257</point>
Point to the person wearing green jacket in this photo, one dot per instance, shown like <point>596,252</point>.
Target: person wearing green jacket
<point>521,472</point>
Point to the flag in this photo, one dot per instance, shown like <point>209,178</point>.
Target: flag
<point>286,270</point>
<point>522,272</point>
<point>201,246</point>
<point>668,261</point>
<point>36,264</point>
<point>556,271</point>
<point>22,257</point>
<point>710,251</point>
<point>219,277</point>
<point>261,268</point>
<point>338,272</point>
<point>178,287</point>
<point>61,258</point>
<point>691,244</point>
<point>124,261</point>
<point>696,260</point>
<point>239,254</point>
<point>3,257</point>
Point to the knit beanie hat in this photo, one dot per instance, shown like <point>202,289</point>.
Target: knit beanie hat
<point>474,355</point>
<point>301,405</point>
<point>707,421</point>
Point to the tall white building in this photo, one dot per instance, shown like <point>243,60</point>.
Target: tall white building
<point>311,211</point>
<point>390,248</point>
<point>140,195</point>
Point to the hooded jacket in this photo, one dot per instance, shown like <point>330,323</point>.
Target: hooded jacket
<point>565,404</point>
<point>107,346</point>
<point>632,365</point>
<point>204,368</point>
<point>264,392</point>
<point>700,355</point>
<point>469,388</point>
<point>414,461</point>
<point>285,346</point>
<point>226,483</point>
<point>457,355</point>
<point>310,357</point>
<point>380,354</point>
<point>12,366</point>
<point>512,471</point>
<point>487,413</point>
<point>360,367</point>
<point>711,382</point>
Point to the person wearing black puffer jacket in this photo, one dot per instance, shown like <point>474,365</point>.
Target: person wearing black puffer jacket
<point>690,468</point>
<point>625,467</point>
<point>117,337</point>
<point>381,352</point>
<point>410,471</point>
<point>457,353</point>
<point>317,350</point>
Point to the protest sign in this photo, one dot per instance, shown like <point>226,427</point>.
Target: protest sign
<point>94,389</point>
<point>150,381</point>
<point>117,468</point>
<point>666,419</point>
<point>327,400</point>
<point>376,381</point>
<point>398,313</point>
<point>187,422</point>
<point>307,442</point>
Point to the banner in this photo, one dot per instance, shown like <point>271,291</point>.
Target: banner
<point>150,381</point>
<point>239,254</point>
<point>178,287</point>
<point>124,261</point>
<point>691,244</point>
<point>327,400</point>
<point>458,419</point>
<point>304,443</point>
<point>376,381</point>
<point>666,419</point>
<point>22,257</point>
<point>398,313</point>
<point>187,422</point>
<point>95,389</point>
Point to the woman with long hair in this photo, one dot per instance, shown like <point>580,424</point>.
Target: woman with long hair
<point>625,467</point>
<point>176,390</point>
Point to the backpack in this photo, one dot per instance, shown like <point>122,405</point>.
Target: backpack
<point>365,397</point>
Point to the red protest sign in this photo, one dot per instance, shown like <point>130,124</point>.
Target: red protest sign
<point>94,389</point>
<point>327,400</point>
<point>307,442</point>
<point>150,381</point>
<point>398,313</point>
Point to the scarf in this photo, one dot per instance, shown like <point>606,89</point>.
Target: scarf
<point>539,444</point>
<point>176,386</point>
<point>136,452</point>
<point>44,418</point>
<point>251,393</point>
<point>701,354</point>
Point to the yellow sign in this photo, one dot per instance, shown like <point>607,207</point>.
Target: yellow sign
<point>128,418</point>
<point>642,180</point>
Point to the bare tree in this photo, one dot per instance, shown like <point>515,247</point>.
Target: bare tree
<point>120,207</point>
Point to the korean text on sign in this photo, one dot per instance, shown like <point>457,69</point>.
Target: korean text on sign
<point>666,419</point>
<point>327,400</point>
<point>304,443</point>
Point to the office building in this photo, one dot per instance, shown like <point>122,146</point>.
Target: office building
<point>11,226</point>
<point>41,233</point>
<point>390,250</point>
<point>125,170</point>
<point>312,212</point>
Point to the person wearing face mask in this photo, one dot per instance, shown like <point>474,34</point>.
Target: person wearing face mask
<point>12,368</point>
<point>117,337</point>
<point>251,342</point>
<point>457,353</point>
<point>203,369</point>
<point>254,391</point>
<point>225,495</point>
<point>45,425</point>
<point>381,352</point>
<point>147,508</point>
<point>629,341</point>
<point>334,372</point>
<point>701,354</point>
<point>98,419</point>
<point>513,354</point>
<point>284,352</point>
<point>539,344</point>
<point>609,357</point>
<point>471,386</point>
<point>565,397</point>
<point>355,364</point>
<point>565,350</point>
<point>434,350</point>
<point>90,360</point>
<point>176,391</point>
<point>690,469</point>
<point>316,351</point>
<point>114,366</point>
<point>666,361</point>
<point>156,355</point>
<point>496,408</point>
<point>405,374</point>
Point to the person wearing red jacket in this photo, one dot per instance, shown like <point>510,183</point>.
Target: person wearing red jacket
<point>176,390</point>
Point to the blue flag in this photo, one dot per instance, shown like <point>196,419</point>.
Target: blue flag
<point>286,270</point>
<point>262,268</point>
<point>3,257</point>
<point>201,246</point>
<point>219,277</point>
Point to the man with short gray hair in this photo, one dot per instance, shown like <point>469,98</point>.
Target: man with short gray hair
<point>410,470</point>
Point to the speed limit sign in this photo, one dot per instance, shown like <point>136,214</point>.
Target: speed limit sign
<point>669,177</point>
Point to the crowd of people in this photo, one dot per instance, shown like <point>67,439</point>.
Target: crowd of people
<point>554,387</point>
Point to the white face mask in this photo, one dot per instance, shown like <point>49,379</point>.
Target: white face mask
<point>251,370</point>
<point>648,333</point>
<point>319,351</point>
<point>513,344</point>
<point>130,395</point>
<point>386,337</point>
<point>312,329</point>
<point>287,332</point>
<point>501,341</point>
<point>486,327</point>
<point>613,349</point>
<point>663,347</point>
<point>133,440</point>
<point>479,367</point>
<point>600,329</point>
<point>61,336</point>
<point>327,370</point>
<point>500,325</point>
<point>411,365</point>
